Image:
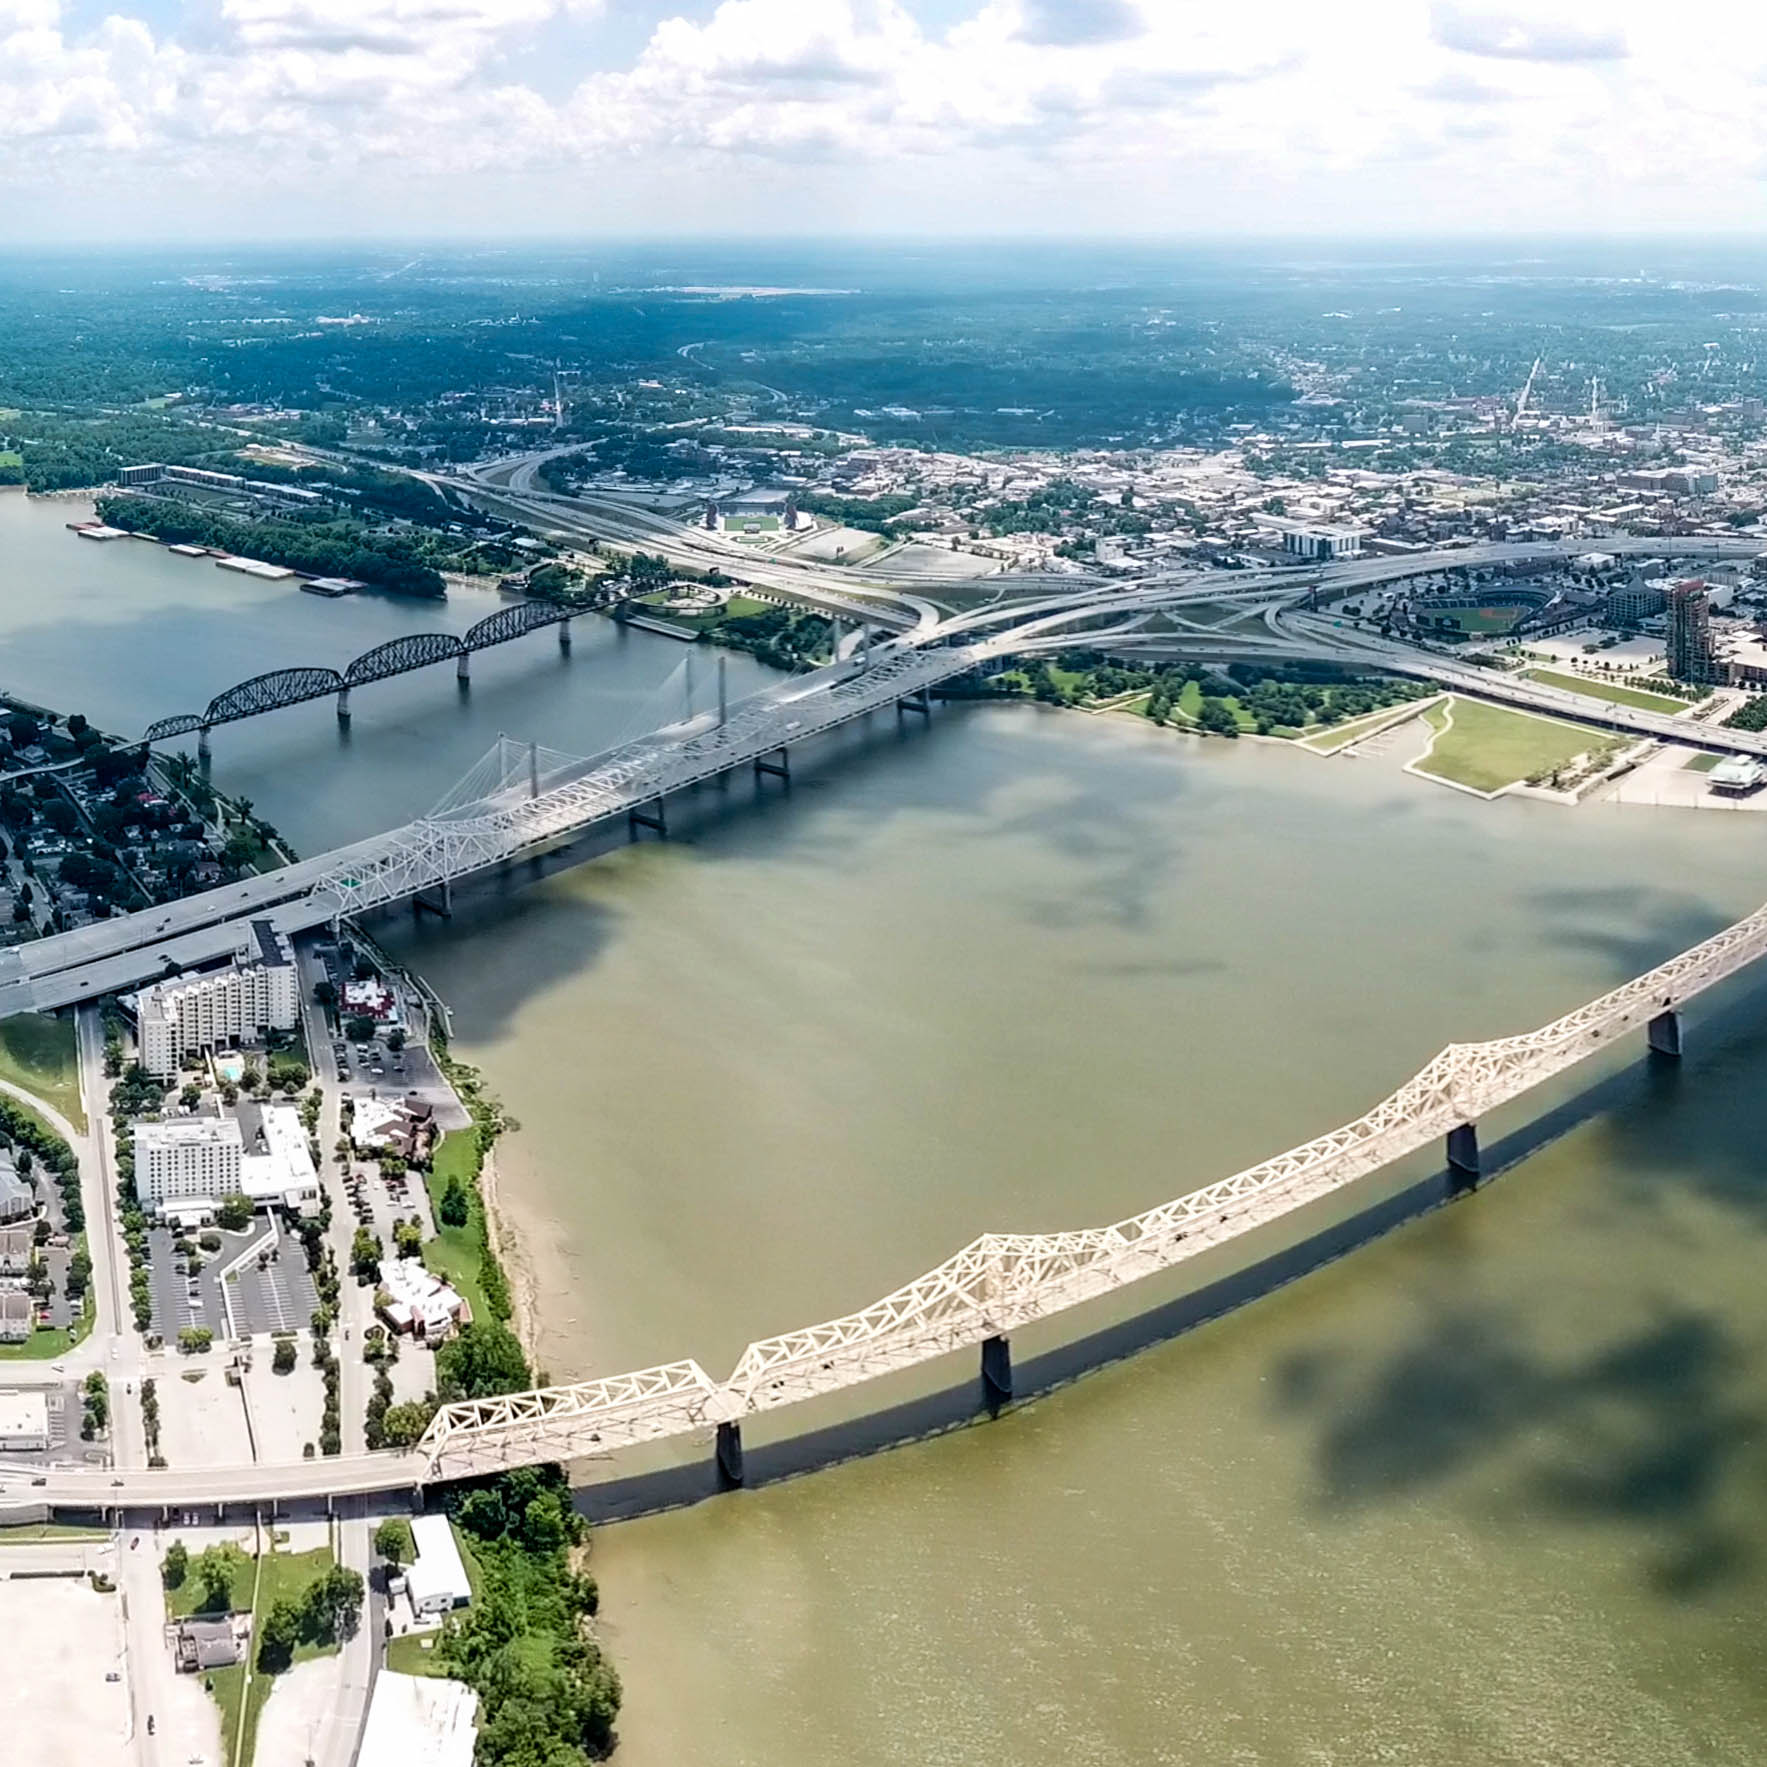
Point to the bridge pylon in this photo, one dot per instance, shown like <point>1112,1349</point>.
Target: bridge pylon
<point>1664,1036</point>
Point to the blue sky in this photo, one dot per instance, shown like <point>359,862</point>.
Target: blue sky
<point>168,119</point>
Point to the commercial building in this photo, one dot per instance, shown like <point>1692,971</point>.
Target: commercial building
<point>15,1316</point>
<point>1736,776</point>
<point>419,1302</point>
<point>419,1721</point>
<point>203,1643</point>
<point>436,1581</point>
<point>1690,653</point>
<point>258,992</point>
<point>195,1159</point>
<point>277,1165</point>
<point>1313,539</point>
<point>24,1422</point>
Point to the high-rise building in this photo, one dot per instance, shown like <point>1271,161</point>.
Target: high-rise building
<point>259,992</point>
<point>188,1159</point>
<point>1691,655</point>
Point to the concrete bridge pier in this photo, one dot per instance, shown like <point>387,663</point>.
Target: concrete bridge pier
<point>441,906</point>
<point>1463,1158</point>
<point>729,1453</point>
<point>463,669</point>
<point>780,769</point>
<point>343,705</point>
<point>637,819</point>
<point>996,1372</point>
<point>204,754</point>
<point>1664,1034</point>
<point>921,702</point>
<point>564,636</point>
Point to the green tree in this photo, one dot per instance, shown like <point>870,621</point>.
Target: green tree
<point>176,1566</point>
<point>282,1359</point>
<point>484,1360</point>
<point>360,1028</point>
<point>332,1608</point>
<point>455,1208</point>
<point>279,1635</point>
<point>393,1541</point>
<point>403,1425</point>
<point>213,1568</point>
<point>234,1213</point>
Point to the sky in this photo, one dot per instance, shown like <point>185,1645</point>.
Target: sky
<point>254,120</point>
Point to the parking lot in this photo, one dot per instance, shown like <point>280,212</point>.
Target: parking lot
<point>254,1283</point>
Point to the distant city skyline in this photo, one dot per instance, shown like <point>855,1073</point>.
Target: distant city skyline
<point>271,119</point>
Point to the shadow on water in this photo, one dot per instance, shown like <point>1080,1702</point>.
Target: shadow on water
<point>1123,847</point>
<point>1467,1383</point>
<point>1643,1430</point>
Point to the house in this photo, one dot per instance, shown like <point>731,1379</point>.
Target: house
<point>15,1316</point>
<point>18,1247</point>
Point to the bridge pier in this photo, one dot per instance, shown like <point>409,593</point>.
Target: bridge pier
<point>723,690</point>
<point>780,769</point>
<point>1664,1034</point>
<point>1463,1158</point>
<point>343,705</point>
<point>729,1456</point>
<point>442,909</point>
<point>564,636</point>
<point>204,754</point>
<point>637,819</point>
<point>921,702</point>
<point>463,669</point>
<point>996,1372</point>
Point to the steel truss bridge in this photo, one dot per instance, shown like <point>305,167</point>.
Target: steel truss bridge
<point>398,656</point>
<point>996,1284</point>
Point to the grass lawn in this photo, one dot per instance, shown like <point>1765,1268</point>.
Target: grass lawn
<point>11,457</point>
<point>43,1345</point>
<point>1701,763</point>
<point>183,1601</point>
<point>415,1654</point>
<point>37,1053</point>
<point>456,1253</point>
<point>1608,690</point>
<point>1489,747</point>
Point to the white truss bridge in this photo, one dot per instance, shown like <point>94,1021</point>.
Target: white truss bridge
<point>1002,1281</point>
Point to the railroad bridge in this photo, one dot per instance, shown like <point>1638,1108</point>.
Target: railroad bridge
<point>278,688</point>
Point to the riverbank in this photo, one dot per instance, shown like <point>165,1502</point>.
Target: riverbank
<point>508,1248</point>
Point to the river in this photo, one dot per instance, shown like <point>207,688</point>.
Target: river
<point>1484,1492</point>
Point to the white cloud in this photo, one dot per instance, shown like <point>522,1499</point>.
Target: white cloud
<point>1139,114</point>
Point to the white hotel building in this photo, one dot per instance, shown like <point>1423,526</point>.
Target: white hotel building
<point>179,1162</point>
<point>259,992</point>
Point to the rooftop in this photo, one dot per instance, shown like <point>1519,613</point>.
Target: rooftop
<point>418,1721</point>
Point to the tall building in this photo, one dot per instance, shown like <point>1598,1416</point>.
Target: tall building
<point>1690,653</point>
<point>182,1161</point>
<point>259,992</point>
